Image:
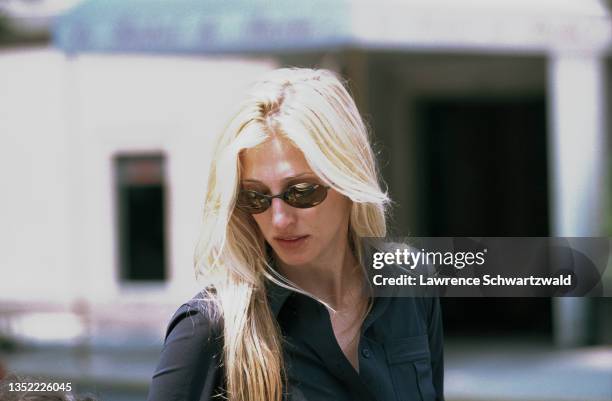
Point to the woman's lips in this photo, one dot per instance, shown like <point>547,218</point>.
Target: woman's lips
<point>291,242</point>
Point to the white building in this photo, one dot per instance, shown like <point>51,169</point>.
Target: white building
<point>108,114</point>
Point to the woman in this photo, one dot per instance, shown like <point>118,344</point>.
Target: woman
<point>287,312</point>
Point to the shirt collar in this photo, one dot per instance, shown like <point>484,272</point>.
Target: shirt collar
<point>277,296</point>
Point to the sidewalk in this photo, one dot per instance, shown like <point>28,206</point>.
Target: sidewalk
<point>475,371</point>
<point>515,371</point>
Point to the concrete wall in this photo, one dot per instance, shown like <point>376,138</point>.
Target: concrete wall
<point>61,122</point>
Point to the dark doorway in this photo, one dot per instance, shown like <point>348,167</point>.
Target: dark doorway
<point>485,167</point>
<point>485,174</point>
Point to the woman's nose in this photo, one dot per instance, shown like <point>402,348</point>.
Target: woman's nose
<point>283,215</point>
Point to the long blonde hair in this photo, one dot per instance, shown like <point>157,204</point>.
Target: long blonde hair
<point>313,110</point>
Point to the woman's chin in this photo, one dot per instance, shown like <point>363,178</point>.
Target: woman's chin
<point>293,258</point>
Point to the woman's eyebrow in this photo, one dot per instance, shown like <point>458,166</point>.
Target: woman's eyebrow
<point>286,179</point>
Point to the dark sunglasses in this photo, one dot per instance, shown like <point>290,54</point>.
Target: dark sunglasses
<point>301,196</point>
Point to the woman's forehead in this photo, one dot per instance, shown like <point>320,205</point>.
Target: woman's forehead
<point>276,158</point>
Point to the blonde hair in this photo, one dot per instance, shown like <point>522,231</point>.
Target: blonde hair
<point>314,111</point>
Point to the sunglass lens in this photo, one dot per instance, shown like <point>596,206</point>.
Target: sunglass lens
<point>306,195</point>
<point>252,202</point>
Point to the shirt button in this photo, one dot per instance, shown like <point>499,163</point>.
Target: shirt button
<point>366,353</point>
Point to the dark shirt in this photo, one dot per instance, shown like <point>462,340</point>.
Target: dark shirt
<point>400,353</point>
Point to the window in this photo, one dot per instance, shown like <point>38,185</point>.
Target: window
<point>141,217</point>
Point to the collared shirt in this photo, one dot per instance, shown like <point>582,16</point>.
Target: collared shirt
<point>400,352</point>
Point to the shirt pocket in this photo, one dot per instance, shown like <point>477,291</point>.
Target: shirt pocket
<point>410,366</point>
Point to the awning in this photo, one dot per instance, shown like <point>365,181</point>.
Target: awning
<point>203,26</point>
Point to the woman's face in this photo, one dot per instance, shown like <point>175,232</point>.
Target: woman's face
<point>297,236</point>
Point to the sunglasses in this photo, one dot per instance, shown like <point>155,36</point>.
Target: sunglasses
<point>301,196</point>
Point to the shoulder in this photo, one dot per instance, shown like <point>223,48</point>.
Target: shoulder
<point>190,361</point>
<point>418,306</point>
<point>196,319</point>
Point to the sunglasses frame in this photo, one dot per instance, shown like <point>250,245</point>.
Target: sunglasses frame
<point>284,196</point>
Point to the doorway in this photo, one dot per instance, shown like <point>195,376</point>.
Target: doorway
<point>484,173</point>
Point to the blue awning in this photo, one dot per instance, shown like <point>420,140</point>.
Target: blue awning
<point>203,26</point>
